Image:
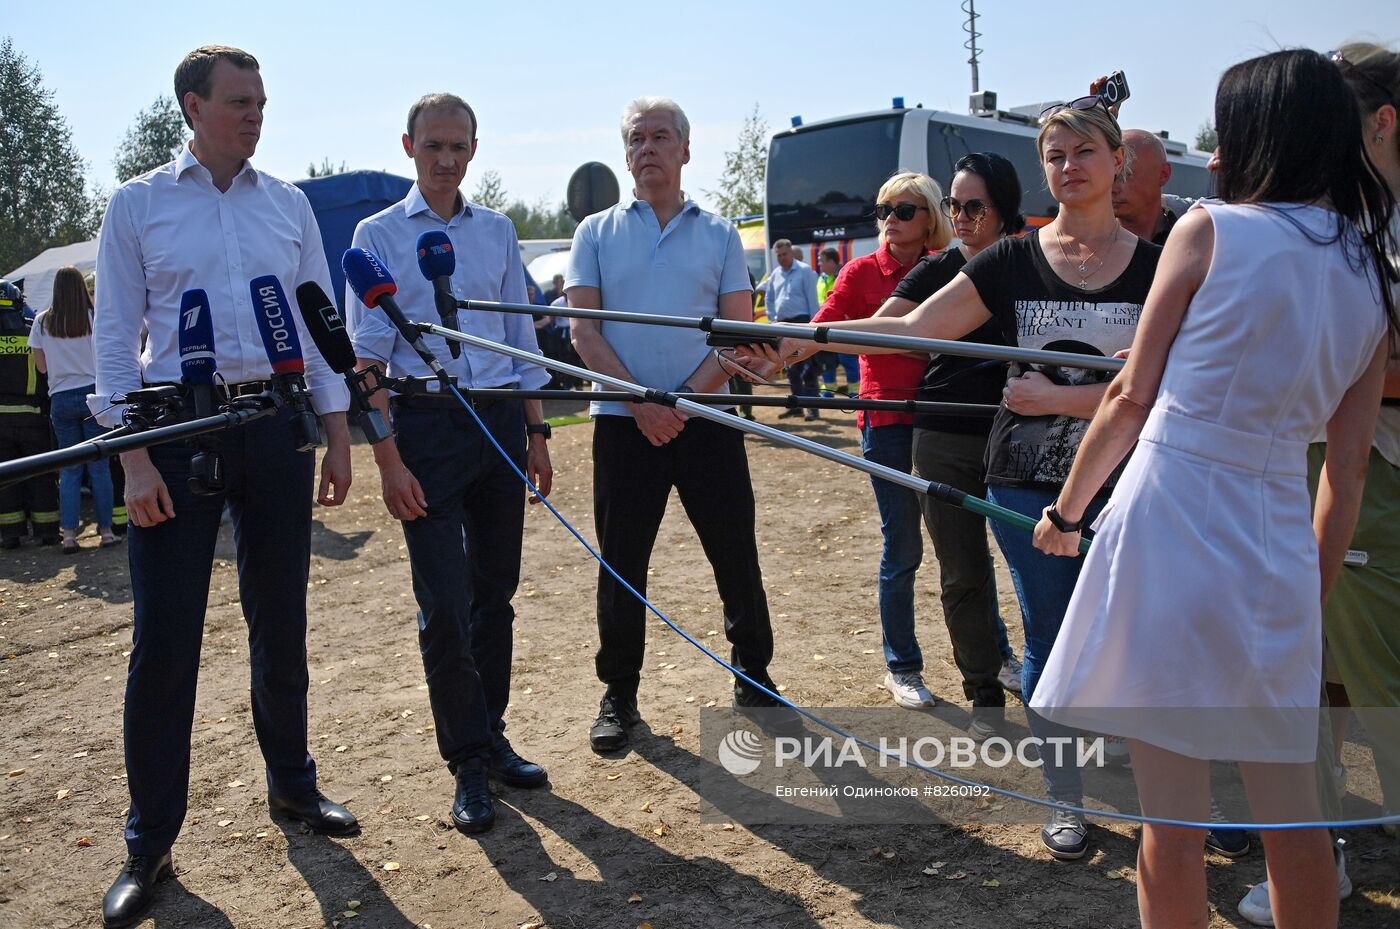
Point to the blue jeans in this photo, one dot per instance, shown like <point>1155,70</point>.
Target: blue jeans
<point>1044,584</point>
<point>901,524</point>
<point>851,364</point>
<point>72,423</point>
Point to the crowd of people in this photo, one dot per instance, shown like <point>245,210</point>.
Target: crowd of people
<point>1266,324</point>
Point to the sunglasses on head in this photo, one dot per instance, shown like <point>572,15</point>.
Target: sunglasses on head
<point>975,209</point>
<point>1337,58</point>
<point>904,211</point>
<point>1083,103</point>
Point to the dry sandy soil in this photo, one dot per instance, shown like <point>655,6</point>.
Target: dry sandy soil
<point>616,842</point>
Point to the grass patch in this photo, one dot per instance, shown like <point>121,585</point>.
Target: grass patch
<point>556,421</point>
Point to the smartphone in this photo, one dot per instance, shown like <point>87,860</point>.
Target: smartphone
<point>729,340</point>
<point>1115,89</point>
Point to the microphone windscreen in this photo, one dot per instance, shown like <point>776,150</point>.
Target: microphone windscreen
<point>326,326</point>
<point>275,325</point>
<point>196,338</point>
<point>367,276</point>
<point>435,256</point>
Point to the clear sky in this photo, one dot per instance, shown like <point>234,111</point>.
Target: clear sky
<point>549,80</point>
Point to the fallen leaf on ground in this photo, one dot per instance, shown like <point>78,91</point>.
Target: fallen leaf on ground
<point>635,898</point>
<point>991,882</point>
<point>661,829</point>
<point>386,778</point>
<point>551,876</point>
<point>727,827</point>
<point>63,794</point>
<point>1113,875</point>
<point>422,818</point>
<point>646,807</point>
<point>613,777</point>
<point>16,772</point>
<point>349,914</point>
<point>957,876</point>
<point>353,904</point>
<point>85,842</point>
<point>391,866</point>
<point>236,784</point>
<point>224,823</point>
<point>341,748</point>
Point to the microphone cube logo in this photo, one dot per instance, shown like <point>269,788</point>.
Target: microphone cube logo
<point>741,752</point>
<point>331,317</point>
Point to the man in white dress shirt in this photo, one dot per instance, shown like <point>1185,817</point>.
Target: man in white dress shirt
<point>209,220</point>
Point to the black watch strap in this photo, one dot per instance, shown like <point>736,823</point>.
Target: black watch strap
<point>539,429</point>
<point>1061,523</point>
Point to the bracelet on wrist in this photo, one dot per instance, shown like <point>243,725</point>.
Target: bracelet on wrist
<point>1060,522</point>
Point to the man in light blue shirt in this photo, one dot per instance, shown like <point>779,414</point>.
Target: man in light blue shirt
<point>460,503</point>
<point>791,290</point>
<point>663,254</point>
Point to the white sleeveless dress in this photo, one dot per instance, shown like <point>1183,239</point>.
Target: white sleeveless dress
<point>1196,624</point>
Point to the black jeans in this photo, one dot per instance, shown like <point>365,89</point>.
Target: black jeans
<point>967,580</point>
<point>804,377</point>
<point>632,479</point>
<point>269,495</point>
<point>465,558</point>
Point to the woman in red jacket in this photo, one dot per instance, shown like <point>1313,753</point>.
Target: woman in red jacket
<point>911,225</point>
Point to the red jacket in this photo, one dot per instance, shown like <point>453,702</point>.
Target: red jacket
<point>861,288</point>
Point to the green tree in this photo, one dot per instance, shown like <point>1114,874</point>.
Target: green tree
<point>325,170</point>
<point>44,199</point>
<point>541,221</point>
<point>1206,140</point>
<point>491,191</point>
<point>740,190</point>
<point>153,139</point>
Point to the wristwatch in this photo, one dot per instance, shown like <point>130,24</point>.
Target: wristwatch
<point>539,429</point>
<point>1061,523</point>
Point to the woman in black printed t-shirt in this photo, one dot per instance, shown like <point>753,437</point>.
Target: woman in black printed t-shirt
<point>1075,285</point>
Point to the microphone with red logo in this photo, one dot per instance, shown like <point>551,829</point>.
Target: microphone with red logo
<point>437,261</point>
<point>375,286</point>
<point>327,329</point>
<point>283,346</point>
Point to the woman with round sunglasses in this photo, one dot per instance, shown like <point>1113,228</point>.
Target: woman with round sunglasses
<point>984,205</point>
<point>1077,285</point>
<point>910,225</point>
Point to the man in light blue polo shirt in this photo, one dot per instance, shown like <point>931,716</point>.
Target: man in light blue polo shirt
<point>461,505</point>
<point>791,290</point>
<point>661,253</point>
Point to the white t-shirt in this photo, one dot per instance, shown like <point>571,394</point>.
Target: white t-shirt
<point>69,361</point>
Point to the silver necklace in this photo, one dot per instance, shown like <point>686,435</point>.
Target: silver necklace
<point>1083,265</point>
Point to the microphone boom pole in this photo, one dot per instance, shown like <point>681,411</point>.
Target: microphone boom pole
<point>939,491</point>
<point>762,332</point>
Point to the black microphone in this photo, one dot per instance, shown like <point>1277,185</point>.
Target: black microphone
<point>327,329</point>
<point>375,286</point>
<point>437,261</point>
<point>283,345</point>
<point>197,368</point>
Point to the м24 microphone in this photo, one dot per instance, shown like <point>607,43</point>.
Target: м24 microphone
<point>279,335</point>
<point>327,328</point>
<point>437,261</point>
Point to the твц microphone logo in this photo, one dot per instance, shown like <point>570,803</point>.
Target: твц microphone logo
<point>740,752</point>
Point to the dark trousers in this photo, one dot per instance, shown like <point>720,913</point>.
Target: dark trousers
<point>465,556</point>
<point>804,378</point>
<point>966,578</point>
<point>632,479</point>
<point>34,500</point>
<point>269,496</point>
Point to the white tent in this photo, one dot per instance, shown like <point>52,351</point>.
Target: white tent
<point>38,272</point>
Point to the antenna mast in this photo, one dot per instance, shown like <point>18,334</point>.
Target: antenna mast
<point>970,27</point>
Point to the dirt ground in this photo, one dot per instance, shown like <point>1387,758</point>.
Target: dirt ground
<point>615,842</point>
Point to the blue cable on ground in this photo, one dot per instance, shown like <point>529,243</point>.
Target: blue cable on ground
<point>1000,791</point>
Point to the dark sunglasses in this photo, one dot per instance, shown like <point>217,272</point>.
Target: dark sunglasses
<point>904,211</point>
<point>1337,59</point>
<point>1083,103</point>
<point>973,208</point>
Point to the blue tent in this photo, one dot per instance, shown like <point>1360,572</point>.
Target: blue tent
<point>340,202</point>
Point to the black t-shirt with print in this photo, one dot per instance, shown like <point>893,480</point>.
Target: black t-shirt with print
<point>1033,308</point>
<point>953,378</point>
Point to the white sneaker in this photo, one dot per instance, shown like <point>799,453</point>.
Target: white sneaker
<point>908,689</point>
<point>1255,906</point>
<point>1010,674</point>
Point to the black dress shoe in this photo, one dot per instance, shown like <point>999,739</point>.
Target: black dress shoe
<point>510,769</point>
<point>472,810</point>
<point>615,716</point>
<point>767,712</point>
<point>324,816</point>
<point>134,889</point>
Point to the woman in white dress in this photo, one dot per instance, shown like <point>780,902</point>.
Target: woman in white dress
<point>1266,321</point>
